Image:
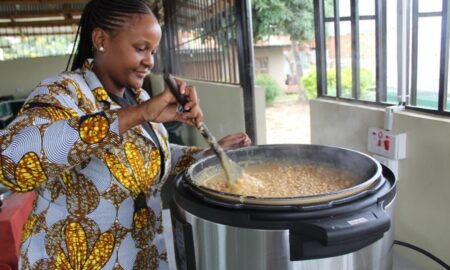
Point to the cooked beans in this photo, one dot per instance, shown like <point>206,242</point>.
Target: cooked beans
<point>285,180</point>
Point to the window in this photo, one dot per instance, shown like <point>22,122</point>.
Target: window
<point>350,54</point>
<point>202,40</point>
<point>211,41</point>
<point>262,65</point>
<point>367,52</point>
<point>31,29</point>
<point>30,42</point>
<point>426,53</point>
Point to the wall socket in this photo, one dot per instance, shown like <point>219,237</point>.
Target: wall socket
<point>387,143</point>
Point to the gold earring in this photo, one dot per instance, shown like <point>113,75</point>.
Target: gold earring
<point>101,49</point>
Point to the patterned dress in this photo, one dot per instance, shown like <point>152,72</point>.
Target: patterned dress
<point>98,203</point>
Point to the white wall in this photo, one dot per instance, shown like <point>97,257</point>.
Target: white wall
<point>223,110</point>
<point>19,77</point>
<point>277,62</point>
<point>423,202</point>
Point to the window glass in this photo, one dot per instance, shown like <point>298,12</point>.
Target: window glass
<point>428,61</point>
<point>447,108</point>
<point>330,59</point>
<point>344,8</point>
<point>346,59</point>
<point>430,6</point>
<point>34,42</point>
<point>367,7</point>
<point>367,62</point>
<point>329,8</point>
<point>391,53</point>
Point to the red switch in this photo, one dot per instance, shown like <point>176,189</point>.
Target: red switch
<point>387,143</point>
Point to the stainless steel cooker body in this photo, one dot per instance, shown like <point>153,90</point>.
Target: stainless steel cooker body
<point>222,247</point>
<point>211,233</point>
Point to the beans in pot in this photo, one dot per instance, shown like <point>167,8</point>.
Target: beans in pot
<point>286,180</point>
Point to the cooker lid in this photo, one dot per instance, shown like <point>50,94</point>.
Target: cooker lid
<point>367,169</point>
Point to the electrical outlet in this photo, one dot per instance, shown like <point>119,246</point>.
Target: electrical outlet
<point>387,143</point>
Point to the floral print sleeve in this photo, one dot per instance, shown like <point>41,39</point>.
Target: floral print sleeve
<point>184,156</point>
<point>56,130</point>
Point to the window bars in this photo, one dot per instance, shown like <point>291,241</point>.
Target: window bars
<point>202,39</point>
<point>36,30</point>
<point>30,42</point>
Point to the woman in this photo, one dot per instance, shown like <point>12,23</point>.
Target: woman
<point>92,145</point>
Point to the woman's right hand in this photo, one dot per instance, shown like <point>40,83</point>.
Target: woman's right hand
<point>192,112</point>
<point>163,108</point>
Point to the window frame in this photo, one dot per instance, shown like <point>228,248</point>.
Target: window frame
<point>240,55</point>
<point>259,67</point>
<point>409,69</point>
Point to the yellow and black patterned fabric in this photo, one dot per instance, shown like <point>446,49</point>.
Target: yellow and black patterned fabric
<point>65,145</point>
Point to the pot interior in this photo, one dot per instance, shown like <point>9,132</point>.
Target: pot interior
<point>364,168</point>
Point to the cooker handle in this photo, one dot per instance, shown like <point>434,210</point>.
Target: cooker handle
<point>338,235</point>
<point>183,241</point>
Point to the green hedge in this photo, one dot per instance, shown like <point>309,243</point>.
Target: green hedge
<point>271,87</point>
<point>309,82</point>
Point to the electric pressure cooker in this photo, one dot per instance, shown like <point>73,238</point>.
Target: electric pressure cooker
<point>349,229</point>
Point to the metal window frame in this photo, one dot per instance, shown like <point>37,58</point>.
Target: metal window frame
<point>242,72</point>
<point>444,57</point>
<point>246,64</point>
<point>337,46</point>
<point>319,28</point>
<point>355,53</point>
<point>445,46</point>
<point>356,66</point>
<point>381,54</point>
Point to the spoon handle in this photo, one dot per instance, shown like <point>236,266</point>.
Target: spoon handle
<point>173,87</point>
<point>225,161</point>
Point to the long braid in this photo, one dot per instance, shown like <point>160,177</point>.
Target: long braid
<point>74,45</point>
<point>108,15</point>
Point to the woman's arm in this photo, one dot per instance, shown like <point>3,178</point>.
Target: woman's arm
<point>184,156</point>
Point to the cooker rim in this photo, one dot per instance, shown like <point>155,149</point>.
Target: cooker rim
<point>353,192</point>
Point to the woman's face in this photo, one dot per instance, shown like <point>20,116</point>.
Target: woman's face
<point>128,54</point>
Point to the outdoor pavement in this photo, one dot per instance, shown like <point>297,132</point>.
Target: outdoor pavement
<point>287,121</point>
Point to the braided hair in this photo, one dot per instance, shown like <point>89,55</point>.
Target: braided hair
<point>108,15</point>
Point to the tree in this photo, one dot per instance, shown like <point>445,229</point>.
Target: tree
<point>268,17</point>
<point>292,17</point>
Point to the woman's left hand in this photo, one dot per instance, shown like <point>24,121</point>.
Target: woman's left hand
<point>232,141</point>
<point>235,140</point>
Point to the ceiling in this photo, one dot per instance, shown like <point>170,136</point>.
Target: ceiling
<point>37,17</point>
<point>50,17</point>
<point>24,13</point>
